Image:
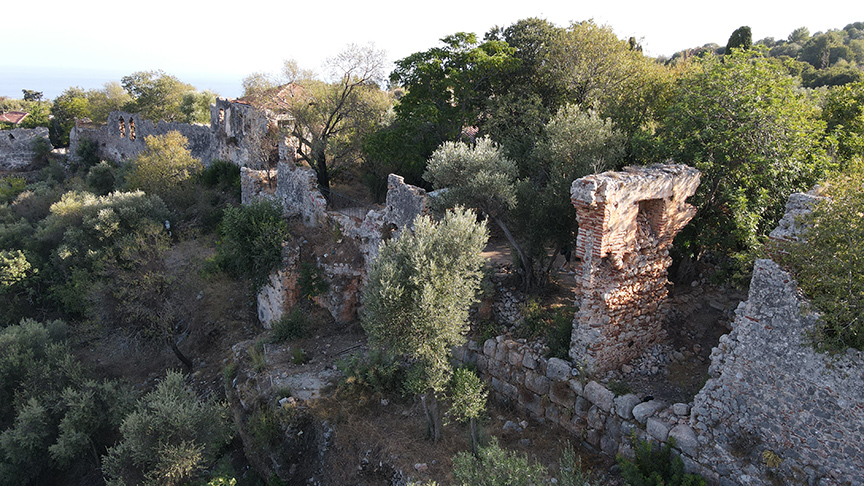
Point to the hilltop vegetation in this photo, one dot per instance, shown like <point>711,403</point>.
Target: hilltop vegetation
<point>505,122</point>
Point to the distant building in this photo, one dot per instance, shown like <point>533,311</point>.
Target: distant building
<point>13,117</point>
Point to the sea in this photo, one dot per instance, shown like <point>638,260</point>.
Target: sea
<point>53,81</point>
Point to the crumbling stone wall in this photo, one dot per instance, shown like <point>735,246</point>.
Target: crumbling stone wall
<point>122,137</point>
<point>774,411</point>
<point>238,129</point>
<point>627,221</point>
<point>297,191</point>
<point>17,147</point>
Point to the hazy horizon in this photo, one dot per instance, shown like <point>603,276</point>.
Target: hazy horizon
<point>53,81</point>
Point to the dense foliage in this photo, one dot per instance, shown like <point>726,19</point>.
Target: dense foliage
<point>827,263</point>
<point>168,437</point>
<point>420,287</point>
<point>251,241</point>
<point>655,465</point>
<point>53,417</point>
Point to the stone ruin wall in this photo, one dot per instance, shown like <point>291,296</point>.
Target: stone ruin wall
<point>627,221</point>
<point>122,137</point>
<point>769,395</point>
<point>17,147</point>
<point>298,193</point>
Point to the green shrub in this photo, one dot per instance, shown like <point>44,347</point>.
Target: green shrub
<point>619,387</point>
<point>102,179</point>
<point>251,241</point>
<point>88,154</point>
<point>10,187</point>
<point>224,175</point>
<point>41,151</point>
<point>374,373</point>
<point>656,466</point>
<point>293,325</point>
<point>560,333</point>
<point>311,281</point>
<point>170,435</point>
<point>52,418</point>
<point>494,466</point>
<point>828,263</point>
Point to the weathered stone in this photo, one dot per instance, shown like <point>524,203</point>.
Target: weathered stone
<point>536,383</point>
<point>529,362</point>
<point>489,347</point>
<point>685,439</point>
<point>644,410</point>
<point>681,409</point>
<point>514,357</point>
<point>624,405</point>
<point>599,395</point>
<point>558,369</point>
<point>595,418</point>
<point>627,221</point>
<point>17,147</point>
<point>657,428</point>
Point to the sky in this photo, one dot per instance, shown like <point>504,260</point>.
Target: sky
<point>213,45</point>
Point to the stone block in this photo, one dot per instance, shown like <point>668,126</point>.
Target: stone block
<point>576,386</point>
<point>489,347</point>
<point>529,362</point>
<point>657,428</point>
<point>599,395</point>
<point>561,394</point>
<point>685,439</point>
<point>538,384</point>
<point>510,391</point>
<point>595,418</point>
<point>681,409</point>
<point>644,410</point>
<point>514,357</point>
<point>558,369</point>
<point>624,405</point>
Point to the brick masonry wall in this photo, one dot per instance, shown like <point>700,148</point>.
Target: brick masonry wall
<point>627,221</point>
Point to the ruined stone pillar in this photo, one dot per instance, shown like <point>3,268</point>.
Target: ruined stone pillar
<point>627,221</point>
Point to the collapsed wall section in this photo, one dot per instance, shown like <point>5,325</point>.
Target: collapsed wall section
<point>627,221</point>
<point>17,147</point>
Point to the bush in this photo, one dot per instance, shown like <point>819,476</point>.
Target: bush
<point>294,325</point>
<point>10,187</point>
<point>494,466</point>
<point>827,264</point>
<point>311,281</point>
<point>374,373</point>
<point>222,174</point>
<point>169,436</point>
<point>251,241</point>
<point>101,179</point>
<point>52,419</point>
<point>88,154</point>
<point>656,466</point>
<point>164,168</point>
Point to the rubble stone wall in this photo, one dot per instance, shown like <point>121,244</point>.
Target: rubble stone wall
<point>627,221</point>
<point>123,137</point>
<point>17,146</point>
<point>774,410</point>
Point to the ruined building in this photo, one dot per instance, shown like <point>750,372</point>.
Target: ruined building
<point>627,221</point>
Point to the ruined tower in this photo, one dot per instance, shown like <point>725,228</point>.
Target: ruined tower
<point>627,221</point>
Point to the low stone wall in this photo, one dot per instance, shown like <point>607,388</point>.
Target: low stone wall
<point>17,147</point>
<point>553,392</point>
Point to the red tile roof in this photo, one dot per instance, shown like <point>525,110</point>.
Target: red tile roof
<point>13,117</point>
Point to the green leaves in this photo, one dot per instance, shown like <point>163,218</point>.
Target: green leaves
<point>420,287</point>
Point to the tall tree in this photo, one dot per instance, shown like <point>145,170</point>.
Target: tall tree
<point>156,95</point>
<point>416,302</point>
<point>330,119</point>
<point>742,38</point>
<point>742,122</point>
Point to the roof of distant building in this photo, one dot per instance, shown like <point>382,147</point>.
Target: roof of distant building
<point>13,116</point>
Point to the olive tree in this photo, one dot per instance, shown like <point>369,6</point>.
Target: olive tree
<point>416,302</point>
